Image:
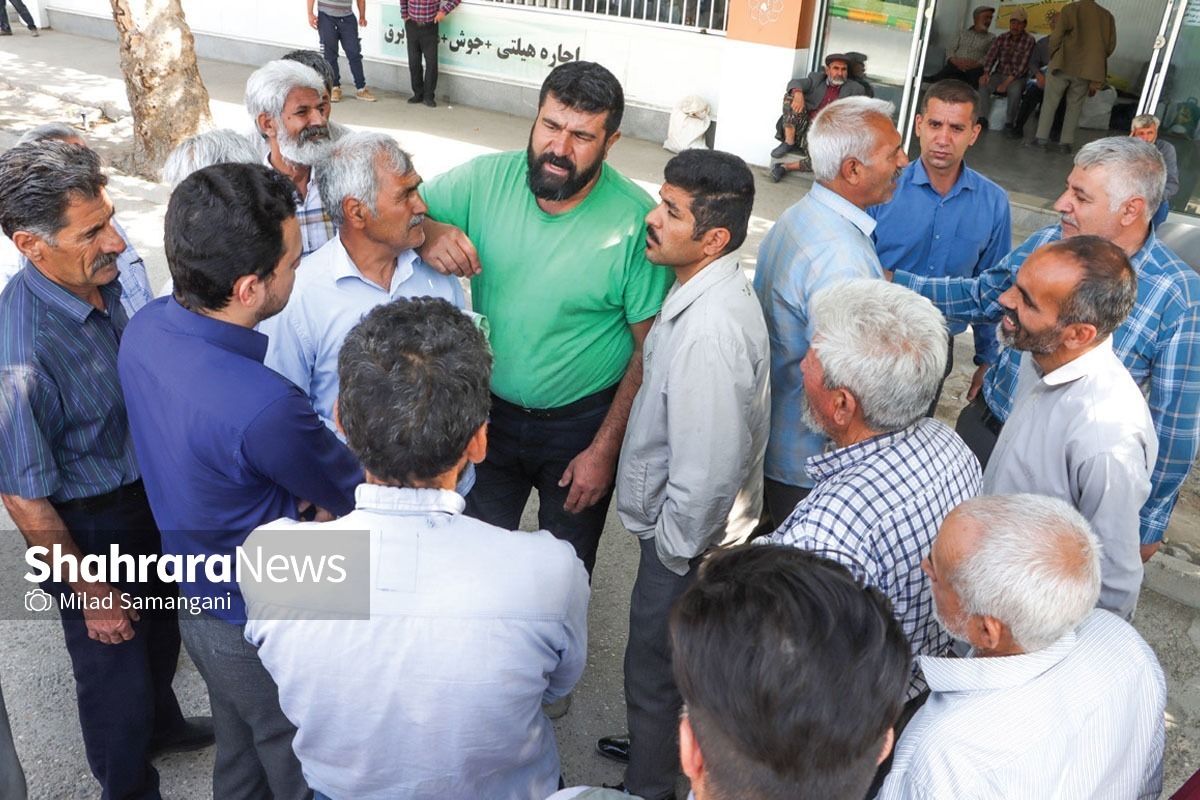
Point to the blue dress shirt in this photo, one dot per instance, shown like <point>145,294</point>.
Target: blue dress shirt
<point>959,235</point>
<point>226,444</point>
<point>820,241</point>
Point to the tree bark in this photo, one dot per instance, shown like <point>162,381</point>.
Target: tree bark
<point>166,94</point>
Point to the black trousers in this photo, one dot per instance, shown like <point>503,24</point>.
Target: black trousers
<point>979,428</point>
<point>422,40</point>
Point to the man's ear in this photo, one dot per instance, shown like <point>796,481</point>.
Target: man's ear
<point>354,212</point>
<point>851,171</point>
<point>889,741</point>
<point>844,406</point>
<point>610,141</point>
<point>477,446</point>
<point>31,245</point>
<point>1133,211</point>
<point>985,632</point>
<point>1079,335</point>
<point>690,757</point>
<point>715,240</point>
<point>266,124</point>
<point>337,419</point>
<point>248,291</point>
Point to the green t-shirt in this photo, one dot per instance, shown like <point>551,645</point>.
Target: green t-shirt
<point>559,291</point>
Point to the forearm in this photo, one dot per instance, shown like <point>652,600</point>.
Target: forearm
<point>612,431</point>
<point>41,526</point>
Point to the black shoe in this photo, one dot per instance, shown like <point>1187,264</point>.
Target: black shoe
<point>429,101</point>
<point>782,150</point>
<point>195,733</point>
<point>615,748</point>
<point>777,172</point>
<point>416,98</point>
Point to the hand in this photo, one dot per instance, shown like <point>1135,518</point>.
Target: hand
<point>1093,87</point>
<point>107,625</point>
<point>1148,550</point>
<point>798,103</point>
<point>888,274</point>
<point>1004,84</point>
<point>983,79</point>
<point>362,21</point>
<point>976,382</point>
<point>448,250</point>
<point>590,475</point>
<point>441,15</point>
<point>312,21</point>
<point>1041,80</point>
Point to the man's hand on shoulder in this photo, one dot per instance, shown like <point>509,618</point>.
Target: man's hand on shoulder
<point>590,476</point>
<point>448,250</point>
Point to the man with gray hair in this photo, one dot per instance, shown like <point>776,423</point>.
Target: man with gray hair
<point>370,191</point>
<point>1145,127</point>
<point>289,106</point>
<point>220,146</point>
<point>877,357</point>
<point>1113,191</point>
<point>1057,698</point>
<point>857,156</point>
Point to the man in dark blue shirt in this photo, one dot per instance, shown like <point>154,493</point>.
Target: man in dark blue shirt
<point>226,444</point>
<point>68,475</point>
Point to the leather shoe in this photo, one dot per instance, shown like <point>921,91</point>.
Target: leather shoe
<point>777,172</point>
<point>615,748</point>
<point>195,733</point>
<point>429,101</point>
<point>781,151</point>
<point>414,100</point>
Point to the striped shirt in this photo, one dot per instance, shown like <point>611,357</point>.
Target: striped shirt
<point>334,8</point>
<point>1159,344</point>
<point>876,509</point>
<point>424,11</point>
<point>1080,718</point>
<point>63,428</point>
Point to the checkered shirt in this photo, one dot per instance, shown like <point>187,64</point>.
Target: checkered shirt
<point>1009,55</point>
<point>1159,344</point>
<point>877,507</point>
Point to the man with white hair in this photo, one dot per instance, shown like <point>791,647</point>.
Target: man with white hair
<point>877,356</point>
<point>857,157</point>
<point>289,107</point>
<point>220,146</point>
<point>1057,699</point>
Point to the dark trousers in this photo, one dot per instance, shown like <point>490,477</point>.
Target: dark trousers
<point>652,700</point>
<point>979,428</point>
<point>22,11</point>
<point>779,500</point>
<point>12,777</point>
<point>255,760</point>
<point>1031,100</point>
<point>123,690</point>
<point>422,39</point>
<point>526,453</point>
<point>333,30</point>
<point>932,412</point>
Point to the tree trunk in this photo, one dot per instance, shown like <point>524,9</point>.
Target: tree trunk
<point>166,94</point>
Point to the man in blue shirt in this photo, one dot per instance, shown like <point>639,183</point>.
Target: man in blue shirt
<point>68,475</point>
<point>822,240</point>
<point>226,443</point>
<point>945,218</point>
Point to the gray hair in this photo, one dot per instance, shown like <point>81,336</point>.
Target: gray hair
<point>268,86</point>
<point>221,146</point>
<point>50,130</point>
<point>39,180</point>
<point>1144,121</point>
<point>1035,566</point>
<point>351,170</point>
<point>1133,168</point>
<point>885,344</point>
<point>842,130</point>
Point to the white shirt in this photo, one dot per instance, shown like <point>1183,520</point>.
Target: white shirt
<point>1083,433</point>
<point>1082,718</point>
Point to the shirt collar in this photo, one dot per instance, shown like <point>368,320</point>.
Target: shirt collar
<point>403,500</point>
<point>843,207</point>
<point>1080,367</point>
<point>246,342</point>
<point>683,295</point>
<point>63,299</point>
<point>344,267</point>
<point>821,467</point>
<point>998,672</point>
<point>968,179</point>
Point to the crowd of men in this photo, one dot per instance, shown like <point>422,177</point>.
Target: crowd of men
<point>812,542</point>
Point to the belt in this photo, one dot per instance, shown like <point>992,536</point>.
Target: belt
<point>591,402</point>
<point>103,502</point>
<point>989,420</point>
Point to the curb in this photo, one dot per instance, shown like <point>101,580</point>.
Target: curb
<point>1174,578</point>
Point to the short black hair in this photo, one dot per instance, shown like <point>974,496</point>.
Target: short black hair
<point>413,387</point>
<point>722,190</point>
<point>953,92</point>
<point>39,180</point>
<point>311,58</point>
<point>791,674</point>
<point>224,222</point>
<point>586,86</point>
<point>1107,290</point>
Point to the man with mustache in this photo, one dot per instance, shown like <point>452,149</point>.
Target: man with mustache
<point>68,473</point>
<point>370,189</point>
<point>1113,192</point>
<point>553,240</point>
<point>803,100</point>
<point>289,105</point>
<point>1079,428</point>
<point>822,240</point>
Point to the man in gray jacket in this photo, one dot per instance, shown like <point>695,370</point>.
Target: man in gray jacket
<point>690,474</point>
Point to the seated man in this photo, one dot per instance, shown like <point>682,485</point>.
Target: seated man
<point>876,359</point>
<point>1004,68</point>
<point>1056,699</point>
<point>965,55</point>
<point>804,98</point>
<point>472,627</point>
<point>1145,127</point>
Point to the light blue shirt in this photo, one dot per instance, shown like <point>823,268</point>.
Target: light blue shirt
<point>961,234</point>
<point>820,241</point>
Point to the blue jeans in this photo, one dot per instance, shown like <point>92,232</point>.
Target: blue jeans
<point>345,30</point>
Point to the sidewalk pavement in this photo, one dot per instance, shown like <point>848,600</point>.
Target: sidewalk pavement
<point>57,77</point>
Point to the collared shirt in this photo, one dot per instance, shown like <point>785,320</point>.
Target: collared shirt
<point>63,428</point>
<point>316,228</point>
<point>971,44</point>
<point>329,298</point>
<point>424,11</point>
<point>962,234</point>
<point>226,444</point>
<point>690,473</point>
<point>1159,343</point>
<point>877,507</point>
<point>438,694</point>
<point>1083,433</point>
<point>820,241</point>
<point>1009,55</point>
<point>1080,718</point>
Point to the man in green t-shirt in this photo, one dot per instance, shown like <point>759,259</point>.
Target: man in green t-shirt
<point>553,240</point>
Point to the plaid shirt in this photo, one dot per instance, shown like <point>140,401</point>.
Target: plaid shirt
<point>1009,55</point>
<point>424,11</point>
<point>877,507</point>
<point>1159,343</point>
<point>316,228</point>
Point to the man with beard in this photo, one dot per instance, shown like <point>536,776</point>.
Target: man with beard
<point>1057,698</point>
<point>1079,428</point>
<point>553,239</point>
<point>803,100</point>
<point>289,105</point>
<point>227,444</point>
<point>68,474</point>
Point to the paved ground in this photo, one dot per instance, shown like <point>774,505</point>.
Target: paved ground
<point>33,663</point>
